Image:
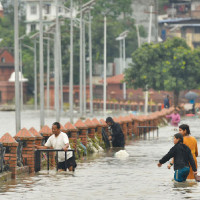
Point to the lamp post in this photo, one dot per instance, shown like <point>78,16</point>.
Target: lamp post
<point>56,66</point>
<point>122,41</point>
<point>71,80</point>
<point>84,73</point>
<point>82,80</point>
<point>105,63</point>
<point>90,64</point>
<point>16,55</point>
<point>41,67</point>
<point>149,40</point>
<point>35,71</point>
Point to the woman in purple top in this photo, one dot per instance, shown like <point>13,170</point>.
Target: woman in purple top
<point>175,118</point>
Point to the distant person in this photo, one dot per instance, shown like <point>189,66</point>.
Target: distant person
<point>166,102</point>
<point>117,136</point>
<point>182,159</point>
<point>192,101</point>
<point>175,118</point>
<point>59,140</point>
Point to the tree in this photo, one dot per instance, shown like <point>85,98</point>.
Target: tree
<point>170,66</point>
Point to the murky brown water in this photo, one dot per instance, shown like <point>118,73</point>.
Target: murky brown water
<point>106,177</point>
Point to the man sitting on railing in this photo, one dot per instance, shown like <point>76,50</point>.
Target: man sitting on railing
<point>59,140</point>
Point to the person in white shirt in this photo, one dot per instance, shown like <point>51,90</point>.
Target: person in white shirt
<point>59,140</point>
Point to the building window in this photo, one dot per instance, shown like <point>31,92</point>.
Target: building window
<point>47,9</point>
<point>33,27</point>
<point>3,60</point>
<point>33,10</point>
<point>0,97</point>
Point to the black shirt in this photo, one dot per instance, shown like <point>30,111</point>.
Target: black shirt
<point>182,157</point>
<point>117,135</point>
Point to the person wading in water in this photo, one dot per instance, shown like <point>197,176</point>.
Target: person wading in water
<point>182,158</point>
<point>117,135</point>
<point>59,140</point>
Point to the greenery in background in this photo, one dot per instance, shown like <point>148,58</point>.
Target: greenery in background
<point>118,20</point>
<point>170,66</point>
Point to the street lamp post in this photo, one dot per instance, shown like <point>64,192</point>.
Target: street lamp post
<point>81,62</point>
<point>41,68</point>
<point>90,64</point>
<point>56,77</point>
<point>48,73</point>
<point>16,41</point>
<point>105,63</point>
<point>122,41</point>
<point>149,40</point>
<point>71,80</point>
<point>84,72</point>
<point>35,73</point>
<point>21,81</point>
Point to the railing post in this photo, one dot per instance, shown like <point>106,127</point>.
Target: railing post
<point>70,128</point>
<point>99,128</point>
<point>11,154</point>
<point>91,128</point>
<point>28,151</point>
<point>83,131</point>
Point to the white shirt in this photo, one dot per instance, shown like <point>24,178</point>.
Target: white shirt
<point>58,143</point>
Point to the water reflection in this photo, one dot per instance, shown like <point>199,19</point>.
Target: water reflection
<point>104,176</point>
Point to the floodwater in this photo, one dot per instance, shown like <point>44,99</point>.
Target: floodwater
<point>104,176</point>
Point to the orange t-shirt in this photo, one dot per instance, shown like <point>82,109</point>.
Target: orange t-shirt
<point>191,142</point>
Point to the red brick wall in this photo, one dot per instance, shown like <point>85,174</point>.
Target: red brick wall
<point>5,73</point>
<point>8,57</point>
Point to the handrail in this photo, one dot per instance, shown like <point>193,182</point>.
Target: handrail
<point>38,157</point>
<point>148,128</point>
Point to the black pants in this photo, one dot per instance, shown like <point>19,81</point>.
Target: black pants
<point>67,164</point>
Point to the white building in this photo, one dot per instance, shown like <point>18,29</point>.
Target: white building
<point>48,13</point>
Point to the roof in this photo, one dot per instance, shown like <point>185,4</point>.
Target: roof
<point>114,79</point>
<point>175,20</point>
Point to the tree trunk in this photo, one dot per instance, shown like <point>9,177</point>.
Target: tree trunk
<point>176,97</point>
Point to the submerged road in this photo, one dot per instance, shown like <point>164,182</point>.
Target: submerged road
<point>104,176</point>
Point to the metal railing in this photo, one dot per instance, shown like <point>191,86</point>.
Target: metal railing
<point>2,153</point>
<point>147,129</point>
<point>47,151</point>
<point>21,144</point>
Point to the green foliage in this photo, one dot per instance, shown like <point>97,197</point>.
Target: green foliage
<point>171,66</point>
<point>119,19</point>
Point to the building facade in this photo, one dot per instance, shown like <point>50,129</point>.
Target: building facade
<point>32,8</point>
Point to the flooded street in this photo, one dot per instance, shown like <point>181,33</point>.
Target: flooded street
<point>104,176</point>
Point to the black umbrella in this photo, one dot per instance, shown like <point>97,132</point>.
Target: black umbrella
<point>191,95</point>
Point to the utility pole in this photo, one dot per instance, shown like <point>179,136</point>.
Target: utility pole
<point>57,68</point>
<point>124,65</point>
<point>48,72</point>
<point>35,73</point>
<point>16,41</point>
<point>71,80</point>
<point>81,63</point>
<point>138,36</point>
<point>41,68</point>
<point>90,64</point>
<point>21,81</point>
<point>105,64</point>
<point>84,72</point>
<point>60,66</point>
